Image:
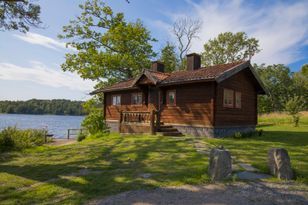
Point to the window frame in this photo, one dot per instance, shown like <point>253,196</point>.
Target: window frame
<point>136,94</point>
<point>167,97</point>
<point>235,100</point>
<point>224,97</point>
<point>116,96</point>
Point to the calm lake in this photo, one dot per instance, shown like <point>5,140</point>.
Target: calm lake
<point>56,124</point>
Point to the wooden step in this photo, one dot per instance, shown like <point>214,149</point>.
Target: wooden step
<point>167,129</point>
<point>174,133</point>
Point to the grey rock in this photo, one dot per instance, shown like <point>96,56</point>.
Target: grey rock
<point>220,165</point>
<point>279,163</point>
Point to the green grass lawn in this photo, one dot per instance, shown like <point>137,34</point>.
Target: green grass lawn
<point>45,174</point>
<point>49,175</point>
<point>254,150</point>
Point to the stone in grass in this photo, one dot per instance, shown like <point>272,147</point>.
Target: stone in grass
<point>220,166</point>
<point>279,163</point>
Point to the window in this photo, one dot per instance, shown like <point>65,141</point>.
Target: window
<point>171,97</point>
<point>116,100</point>
<point>238,99</point>
<point>228,98</point>
<point>136,98</point>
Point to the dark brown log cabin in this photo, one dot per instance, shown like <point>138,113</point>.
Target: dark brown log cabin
<point>214,101</point>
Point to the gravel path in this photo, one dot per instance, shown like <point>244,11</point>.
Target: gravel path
<point>239,193</point>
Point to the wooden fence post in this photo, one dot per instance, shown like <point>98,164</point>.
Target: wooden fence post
<point>152,123</point>
<point>120,121</point>
<point>68,134</point>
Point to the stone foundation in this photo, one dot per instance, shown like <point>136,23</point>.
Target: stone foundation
<point>113,126</point>
<point>212,132</point>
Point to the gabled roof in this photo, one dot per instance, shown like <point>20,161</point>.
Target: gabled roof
<point>216,73</point>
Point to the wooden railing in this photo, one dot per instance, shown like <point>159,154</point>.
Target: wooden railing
<point>75,132</point>
<point>140,117</point>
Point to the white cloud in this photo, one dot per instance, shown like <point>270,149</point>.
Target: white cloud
<point>281,27</point>
<point>45,41</point>
<point>41,74</point>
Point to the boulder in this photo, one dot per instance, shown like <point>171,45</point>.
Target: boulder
<point>220,164</point>
<point>279,163</point>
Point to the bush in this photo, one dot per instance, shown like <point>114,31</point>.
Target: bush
<point>12,138</point>
<point>241,135</point>
<point>94,122</point>
<point>81,136</point>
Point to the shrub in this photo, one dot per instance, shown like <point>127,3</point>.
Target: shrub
<point>12,138</point>
<point>81,136</point>
<point>293,107</point>
<point>238,135</point>
<point>241,135</point>
<point>94,122</point>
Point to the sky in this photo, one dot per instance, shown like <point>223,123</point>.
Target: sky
<point>30,64</point>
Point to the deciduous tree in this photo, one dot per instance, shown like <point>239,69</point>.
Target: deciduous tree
<point>107,46</point>
<point>19,15</point>
<point>229,47</point>
<point>185,30</point>
<point>169,57</point>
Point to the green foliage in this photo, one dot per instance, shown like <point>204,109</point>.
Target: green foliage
<point>94,122</point>
<point>293,107</point>
<point>304,70</point>
<point>241,135</point>
<point>169,57</point>
<point>281,85</point>
<point>12,138</point>
<point>108,47</point>
<point>229,47</point>
<point>19,15</point>
<point>81,136</point>
<point>54,107</point>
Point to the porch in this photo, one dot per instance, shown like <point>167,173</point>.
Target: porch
<point>132,122</point>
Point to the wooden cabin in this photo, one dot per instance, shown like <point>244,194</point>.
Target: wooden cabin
<point>214,101</point>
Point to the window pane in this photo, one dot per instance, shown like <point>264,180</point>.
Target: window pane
<point>238,100</point>
<point>228,100</point>
<point>118,100</point>
<point>114,100</point>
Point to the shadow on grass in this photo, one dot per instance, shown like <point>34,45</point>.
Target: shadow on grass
<point>110,169</point>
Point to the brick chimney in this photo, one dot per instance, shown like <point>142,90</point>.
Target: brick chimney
<point>158,66</point>
<point>193,61</point>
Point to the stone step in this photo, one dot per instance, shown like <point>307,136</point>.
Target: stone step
<point>170,133</point>
<point>167,129</point>
<point>165,126</point>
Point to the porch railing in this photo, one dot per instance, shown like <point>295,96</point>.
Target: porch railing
<point>140,117</point>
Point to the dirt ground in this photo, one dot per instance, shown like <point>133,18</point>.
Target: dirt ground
<point>239,193</point>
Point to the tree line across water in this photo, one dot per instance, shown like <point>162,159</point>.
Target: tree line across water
<point>40,107</point>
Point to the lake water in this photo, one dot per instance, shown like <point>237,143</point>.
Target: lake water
<point>56,124</point>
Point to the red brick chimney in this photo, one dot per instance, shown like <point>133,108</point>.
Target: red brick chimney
<point>158,66</point>
<point>193,61</point>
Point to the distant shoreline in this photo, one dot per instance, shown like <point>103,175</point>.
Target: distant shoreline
<point>40,114</point>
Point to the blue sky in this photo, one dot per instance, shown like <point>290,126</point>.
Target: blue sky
<point>30,64</point>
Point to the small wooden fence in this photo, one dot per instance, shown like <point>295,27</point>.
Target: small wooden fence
<point>75,132</point>
<point>137,118</point>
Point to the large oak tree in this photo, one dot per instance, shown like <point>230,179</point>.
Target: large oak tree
<point>107,46</point>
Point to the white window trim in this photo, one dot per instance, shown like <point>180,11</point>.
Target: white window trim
<point>118,98</point>
<point>136,94</point>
